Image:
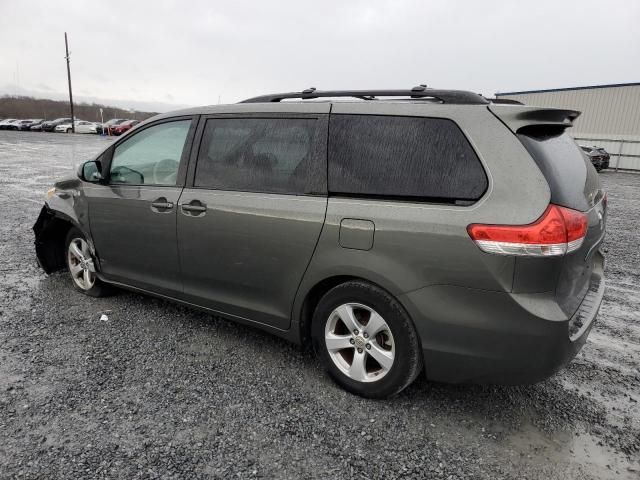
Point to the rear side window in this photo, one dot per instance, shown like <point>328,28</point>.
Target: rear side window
<point>412,157</point>
<point>573,181</point>
<point>277,155</point>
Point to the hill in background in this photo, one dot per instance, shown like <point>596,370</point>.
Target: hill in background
<point>28,107</point>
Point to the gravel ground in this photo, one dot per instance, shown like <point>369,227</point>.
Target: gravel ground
<point>161,391</point>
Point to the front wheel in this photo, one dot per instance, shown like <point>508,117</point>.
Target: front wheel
<point>82,267</point>
<point>366,340</point>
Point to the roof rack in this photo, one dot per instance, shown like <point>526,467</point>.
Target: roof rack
<point>460,97</point>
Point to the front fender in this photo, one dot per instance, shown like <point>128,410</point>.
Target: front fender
<point>50,233</point>
<point>66,209</point>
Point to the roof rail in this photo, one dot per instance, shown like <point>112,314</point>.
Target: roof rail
<point>460,97</point>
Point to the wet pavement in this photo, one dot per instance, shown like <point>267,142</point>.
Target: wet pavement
<point>160,391</point>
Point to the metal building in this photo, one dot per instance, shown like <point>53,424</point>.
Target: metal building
<point>610,117</point>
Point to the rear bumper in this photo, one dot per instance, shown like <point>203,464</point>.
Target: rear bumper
<point>472,335</point>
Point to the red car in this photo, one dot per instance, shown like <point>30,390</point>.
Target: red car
<point>123,127</point>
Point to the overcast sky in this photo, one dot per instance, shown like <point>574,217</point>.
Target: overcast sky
<point>193,52</point>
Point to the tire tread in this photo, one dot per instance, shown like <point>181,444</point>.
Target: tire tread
<point>357,290</point>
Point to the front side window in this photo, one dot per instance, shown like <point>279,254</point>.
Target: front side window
<point>257,154</point>
<point>150,157</point>
<point>404,157</point>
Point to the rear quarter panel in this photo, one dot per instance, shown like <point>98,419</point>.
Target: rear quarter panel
<point>417,245</point>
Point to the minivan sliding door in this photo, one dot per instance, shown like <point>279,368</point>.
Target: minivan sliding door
<point>249,222</point>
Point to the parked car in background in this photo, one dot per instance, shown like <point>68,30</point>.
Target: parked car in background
<point>124,127</point>
<point>109,124</point>
<point>6,124</point>
<point>81,126</point>
<point>51,125</point>
<point>26,125</point>
<point>15,125</point>
<point>460,234</point>
<point>599,156</point>
<point>37,127</point>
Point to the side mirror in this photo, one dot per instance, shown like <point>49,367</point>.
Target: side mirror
<point>91,171</point>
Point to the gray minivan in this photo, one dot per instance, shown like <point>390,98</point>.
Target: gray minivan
<point>397,231</point>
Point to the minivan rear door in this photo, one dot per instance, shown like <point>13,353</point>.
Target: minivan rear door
<point>253,209</point>
<point>574,183</point>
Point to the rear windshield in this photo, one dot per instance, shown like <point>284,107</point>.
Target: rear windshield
<point>573,181</point>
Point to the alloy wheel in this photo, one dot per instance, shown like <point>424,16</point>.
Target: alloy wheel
<point>81,264</point>
<point>359,342</point>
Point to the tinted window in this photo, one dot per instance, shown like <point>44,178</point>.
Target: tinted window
<point>413,157</point>
<point>152,156</point>
<point>257,154</point>
<point>573,181</point>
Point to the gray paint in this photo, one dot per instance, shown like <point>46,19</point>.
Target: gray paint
<point>357,234</point>
<point>256,257</point>
<point>248,253</point>
<point>136,244</point>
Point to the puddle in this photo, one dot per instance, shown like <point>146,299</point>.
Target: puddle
<point>580,453</point>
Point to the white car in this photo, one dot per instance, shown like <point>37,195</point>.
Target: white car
<point>82,126</point>
<point>4,124</point>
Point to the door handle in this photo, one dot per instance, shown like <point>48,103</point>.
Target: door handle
<point>195,207</point>
<point>160,205</point>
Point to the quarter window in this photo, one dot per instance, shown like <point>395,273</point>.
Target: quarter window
<point>413,157</point>
<point>257,154</point>
<point>150,157</point>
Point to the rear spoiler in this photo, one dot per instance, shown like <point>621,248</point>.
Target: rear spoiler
<point>516,117</point>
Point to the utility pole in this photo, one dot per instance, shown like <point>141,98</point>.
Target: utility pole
<point>73,119</point>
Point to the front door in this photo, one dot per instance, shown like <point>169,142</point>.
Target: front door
<point>133,216</point>
<point>250,221</point>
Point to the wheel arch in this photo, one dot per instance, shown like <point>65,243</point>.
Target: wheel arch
<point>50,231</point>
<point>313,294</point>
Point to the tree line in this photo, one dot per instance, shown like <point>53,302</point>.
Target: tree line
<point>29,107</point>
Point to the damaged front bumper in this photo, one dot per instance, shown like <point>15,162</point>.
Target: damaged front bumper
<point>50,233</point>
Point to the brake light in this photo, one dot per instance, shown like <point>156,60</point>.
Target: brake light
<point>558,231</point>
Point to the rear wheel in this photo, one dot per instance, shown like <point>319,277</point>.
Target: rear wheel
<point>81,265</point>
<point>366,340</point>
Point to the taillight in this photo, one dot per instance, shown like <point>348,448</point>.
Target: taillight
<point>558,231</point>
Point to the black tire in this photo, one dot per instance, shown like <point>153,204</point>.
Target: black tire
<point>407,363</point>
<point>99,288</point>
